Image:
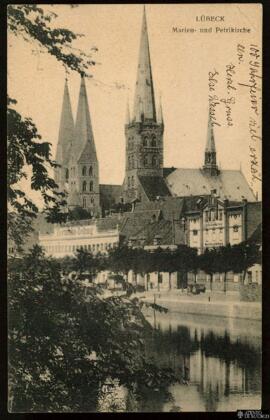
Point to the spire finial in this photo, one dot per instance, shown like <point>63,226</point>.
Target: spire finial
<point>210,149</point>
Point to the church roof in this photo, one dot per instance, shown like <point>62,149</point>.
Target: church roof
<point>230,184</point>
<point>154,186</point>
<point>144,100</point>
<point>66,130</point>
<point>253,217</point>
<point>83,145</point>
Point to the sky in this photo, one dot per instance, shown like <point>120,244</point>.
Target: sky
<point>181,62</point>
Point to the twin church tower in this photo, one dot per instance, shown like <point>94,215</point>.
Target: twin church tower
<point>76,151</point>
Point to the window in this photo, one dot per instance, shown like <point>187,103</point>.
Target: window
<point>195,232</point>
<point>132,162</point>
<point>67,174</point>
<point>154,161</point>
<point>206,216</point>
<point>84,202</point>
<point>132,181</point>
<point>145,161</point>
<point>91,186</point>
<point>235,228</point>
<point>92,200</point>
<point>154,142</point>
<point>84,171</point>
<point>84,186</point>
<point>145,141</point>
<point>128,182</point>
<point>90,171</point>
<point>220,215</point>
<point>89,247</point>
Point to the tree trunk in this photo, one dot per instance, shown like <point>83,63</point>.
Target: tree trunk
<point>211,282</point>
<point>170,281</point>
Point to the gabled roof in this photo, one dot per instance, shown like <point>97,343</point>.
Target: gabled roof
<point>154,186</point>
<point>230,184</point>
<point>171,207</point>
<point>133,222</point>
<point>254,217</point>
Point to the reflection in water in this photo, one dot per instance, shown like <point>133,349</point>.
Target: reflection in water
<point>218,365</point>
<point>219,368</point>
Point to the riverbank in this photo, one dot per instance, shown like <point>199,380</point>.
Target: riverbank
<point>214,304</point>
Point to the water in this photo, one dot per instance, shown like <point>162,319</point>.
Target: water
<point>217,361</point>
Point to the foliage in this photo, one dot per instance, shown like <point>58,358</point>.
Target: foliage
<point>79,213</point>
<point>33,24</point>
<point>65,342</point>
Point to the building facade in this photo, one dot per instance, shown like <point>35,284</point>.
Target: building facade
<point>88,236</point>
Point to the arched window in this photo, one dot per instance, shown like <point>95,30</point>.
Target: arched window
<point>91,186</point>
<point>84,186</point>
<point>84,170</point>
<point>129,162</point>
<point>90,171</point>
<point>154,161</point>
<point>128,182</point>
<point>92,200</point>
<point>67,174</point>
<point>84,202</point>
<point>132,181</point>
<point>145,141</point>
<point>132,162</point>
<point>145,160</point>
<point>154,141</point>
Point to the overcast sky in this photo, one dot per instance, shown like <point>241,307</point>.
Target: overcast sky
<point>180,64</point>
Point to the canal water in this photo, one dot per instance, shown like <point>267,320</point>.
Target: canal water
<point>217,361</point>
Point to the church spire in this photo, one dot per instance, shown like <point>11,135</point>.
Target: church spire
<point>144,101</point>
<point>210,163</point>
<point>127,113</point>
<point>84,137</point>
<point>160,113</point>
<point>66,129</point>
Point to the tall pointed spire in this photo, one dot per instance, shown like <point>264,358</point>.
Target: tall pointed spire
<point>66,129</point>
<point>144,90</point>
<point>160,113</point>
<point>210,163</point>
<point>83,127</point>
<point>127,113</point>
<point>210,143</point>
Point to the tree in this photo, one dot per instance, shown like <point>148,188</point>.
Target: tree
<point>245,255</point>
<point>208,263</point>
<point>65,344</point>
<point>28,157</point>
<point>224,262</point>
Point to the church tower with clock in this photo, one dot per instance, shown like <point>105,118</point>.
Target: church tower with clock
<point>144,130</point>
